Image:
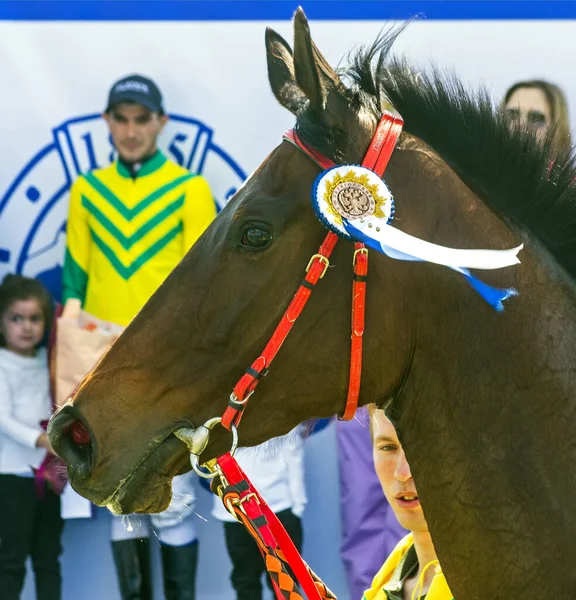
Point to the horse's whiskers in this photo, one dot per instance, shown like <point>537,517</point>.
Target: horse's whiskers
<point>184,499</point>
<point>130,524</point>
<point>200,516</point>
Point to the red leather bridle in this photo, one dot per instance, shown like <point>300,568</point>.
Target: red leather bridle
<point>291,576</point>
<point>376,159</point>
<point>235,489</point>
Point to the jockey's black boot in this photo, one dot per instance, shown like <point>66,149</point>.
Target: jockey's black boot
<point>132,560</point>
<point>179,568</point>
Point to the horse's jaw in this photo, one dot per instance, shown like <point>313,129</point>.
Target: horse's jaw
<point>148,487</point>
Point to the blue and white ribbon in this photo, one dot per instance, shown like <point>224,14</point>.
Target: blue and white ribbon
<point>402,246</point>
<point>356,204</point>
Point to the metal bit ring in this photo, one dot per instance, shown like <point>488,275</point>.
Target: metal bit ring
<point>197,440</point>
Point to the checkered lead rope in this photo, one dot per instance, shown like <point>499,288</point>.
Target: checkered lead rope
<point>292,578</point>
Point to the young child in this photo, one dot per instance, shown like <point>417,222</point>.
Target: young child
<point>30,522</point>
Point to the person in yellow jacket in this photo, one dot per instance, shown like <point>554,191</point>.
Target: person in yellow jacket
<point>129,225</point>
<point>412,571</point>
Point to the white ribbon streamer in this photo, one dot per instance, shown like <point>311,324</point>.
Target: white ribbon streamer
<point>402,246</point>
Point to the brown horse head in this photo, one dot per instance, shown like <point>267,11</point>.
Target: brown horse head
<point>483,401</point>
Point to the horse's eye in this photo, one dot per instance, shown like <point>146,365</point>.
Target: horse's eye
<point>255,237</point>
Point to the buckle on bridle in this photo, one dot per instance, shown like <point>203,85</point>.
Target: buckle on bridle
<point>235,401</point>
<point>239,503</point>
<point>322,259</point>
<point>357,252</point>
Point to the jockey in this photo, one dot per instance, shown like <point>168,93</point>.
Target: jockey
<point>129,225</point>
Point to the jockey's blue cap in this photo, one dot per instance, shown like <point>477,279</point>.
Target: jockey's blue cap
<point>136,89</point>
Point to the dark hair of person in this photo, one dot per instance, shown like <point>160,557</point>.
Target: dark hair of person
<point>18,287</point>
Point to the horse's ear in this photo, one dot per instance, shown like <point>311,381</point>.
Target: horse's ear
<point>314,75</point>
<point>281,73</point>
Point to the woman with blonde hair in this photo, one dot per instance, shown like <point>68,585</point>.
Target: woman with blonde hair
<point>540,105</point>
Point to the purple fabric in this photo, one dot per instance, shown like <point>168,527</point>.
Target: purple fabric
<point>369,528</point>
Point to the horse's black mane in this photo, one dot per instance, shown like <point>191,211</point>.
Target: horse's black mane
<point>509,170</point>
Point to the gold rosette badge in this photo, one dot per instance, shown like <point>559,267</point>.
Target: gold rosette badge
<point>352,196</point>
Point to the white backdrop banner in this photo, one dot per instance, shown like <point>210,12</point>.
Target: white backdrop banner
<point>59,60</point>
<point>224,119</point>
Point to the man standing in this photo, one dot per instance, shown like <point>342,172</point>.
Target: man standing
<point>129,225</point>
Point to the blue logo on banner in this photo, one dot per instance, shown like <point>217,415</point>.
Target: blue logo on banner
<point>34,208</point>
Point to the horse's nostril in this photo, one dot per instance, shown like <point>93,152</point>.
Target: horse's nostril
<point>73,441</point>
<point>79,433</point>
<point>75,445</point>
